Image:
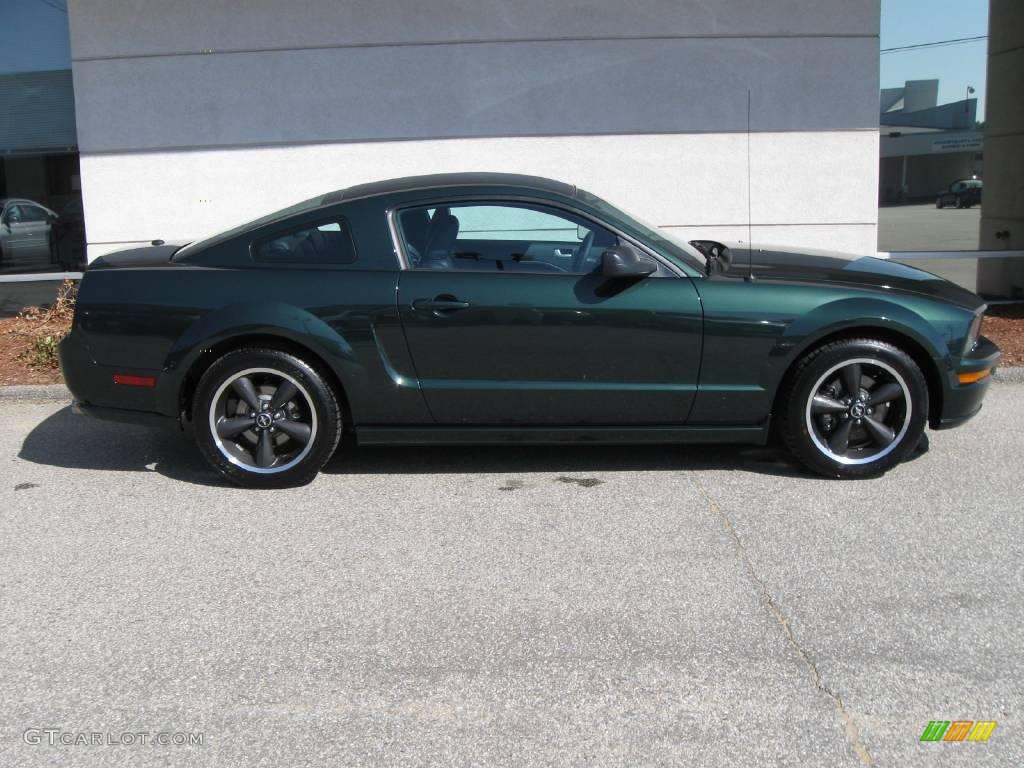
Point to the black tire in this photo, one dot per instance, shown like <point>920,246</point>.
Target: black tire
<point>268,450</point>
<point>838,435</point>
<point>938,202</point>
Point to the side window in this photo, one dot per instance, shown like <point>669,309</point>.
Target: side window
<point>13,214</point>
<point>32,213</point>
<point>327,242</point>
<point>503,237</point>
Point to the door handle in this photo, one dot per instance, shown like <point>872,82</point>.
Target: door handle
<point>440,304</point>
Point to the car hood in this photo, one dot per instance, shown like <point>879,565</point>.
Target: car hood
<point>816,266</point>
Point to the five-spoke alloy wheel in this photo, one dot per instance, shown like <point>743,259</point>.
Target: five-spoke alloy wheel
<point>854,408</point>
<point>265,418</point>
<point>858,411</point>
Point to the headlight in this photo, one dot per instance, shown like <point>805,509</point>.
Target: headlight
<point>975,330</point>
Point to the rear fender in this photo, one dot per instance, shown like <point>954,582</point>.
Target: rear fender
<point>277,319</point>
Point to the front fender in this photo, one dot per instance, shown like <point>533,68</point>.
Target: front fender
<point>842,314</point>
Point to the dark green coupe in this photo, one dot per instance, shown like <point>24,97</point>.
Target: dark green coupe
<point>489,308</point>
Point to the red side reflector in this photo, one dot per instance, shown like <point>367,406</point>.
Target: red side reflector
<point>135,381</point>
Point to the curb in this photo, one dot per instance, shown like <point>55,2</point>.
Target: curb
<point>60,392</point>
<point>35,392</point>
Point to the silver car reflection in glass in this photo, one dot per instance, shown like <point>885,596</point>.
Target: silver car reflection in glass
<point>24,232</point>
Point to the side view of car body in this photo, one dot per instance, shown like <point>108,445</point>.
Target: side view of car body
<point>492,308</point>
<point>961,194</point>
<point>24,231</point>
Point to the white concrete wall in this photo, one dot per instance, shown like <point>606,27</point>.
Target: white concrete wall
<point>1002,215</point>
<point>645,106</point>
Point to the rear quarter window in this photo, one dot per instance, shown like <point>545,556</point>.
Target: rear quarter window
<point>321,242</point>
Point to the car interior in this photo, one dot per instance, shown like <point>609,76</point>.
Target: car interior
<point>504,238</point>
<point>326,243</point>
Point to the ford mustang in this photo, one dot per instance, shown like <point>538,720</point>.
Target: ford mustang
<point>493,308</point>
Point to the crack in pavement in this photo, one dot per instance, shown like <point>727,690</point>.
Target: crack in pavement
<point>850,729</point>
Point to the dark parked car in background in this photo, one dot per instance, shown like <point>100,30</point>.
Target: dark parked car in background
<point>961,194</point>
<point>491,308</point>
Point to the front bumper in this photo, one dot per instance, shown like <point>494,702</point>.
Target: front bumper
<point>961,402</point>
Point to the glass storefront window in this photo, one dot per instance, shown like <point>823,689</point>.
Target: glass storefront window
<point>42,227</point>
<point>932,132</point>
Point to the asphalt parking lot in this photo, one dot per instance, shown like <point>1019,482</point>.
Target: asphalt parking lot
<point>924,227</point>
<point>519,606</point>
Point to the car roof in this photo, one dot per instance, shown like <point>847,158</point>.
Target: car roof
<point>410,183</point>
<point>5,200</point>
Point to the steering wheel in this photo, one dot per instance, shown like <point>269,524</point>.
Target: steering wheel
<point>580,259</point>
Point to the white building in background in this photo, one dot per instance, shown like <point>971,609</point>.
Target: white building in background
<point>926,145</point>
<point>198,114</point>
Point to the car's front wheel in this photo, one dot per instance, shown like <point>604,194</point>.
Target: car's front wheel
<point>266,418</point>
<point>938,202</point>
<point>854,408</point>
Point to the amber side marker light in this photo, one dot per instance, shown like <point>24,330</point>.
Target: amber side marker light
<point>973,376</point>
<point>135,381</point>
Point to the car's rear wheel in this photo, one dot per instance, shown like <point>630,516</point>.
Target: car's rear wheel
<point>266,418</point>
<point>938,202</point>
<point>854,408</point>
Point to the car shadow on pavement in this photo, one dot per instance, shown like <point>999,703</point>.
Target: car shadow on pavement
<point>80,442</point>
<point>564,458</point>
<point>76,442</point>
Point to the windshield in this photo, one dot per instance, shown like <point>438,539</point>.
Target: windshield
<point>220,237</point>
<point>662,239</point>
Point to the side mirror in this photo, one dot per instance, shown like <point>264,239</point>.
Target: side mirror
<point>624,261</point>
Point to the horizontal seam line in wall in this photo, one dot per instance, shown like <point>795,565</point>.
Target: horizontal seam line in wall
<point>118,242</point>
<point>1003,135</point>
<point>660,226</point>
<point>777,224</point>
<point>483,41</point>
<point>992,54</point>
<point>378,140</point>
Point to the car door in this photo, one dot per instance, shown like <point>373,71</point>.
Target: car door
<point>508,323</point>
<point>36,220</point>
<point>15,232</point>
